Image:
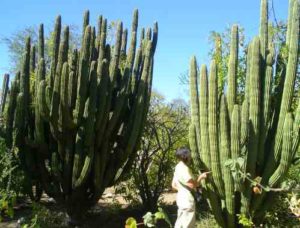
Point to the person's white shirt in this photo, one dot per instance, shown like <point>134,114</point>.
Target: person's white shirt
<point>184,198</point>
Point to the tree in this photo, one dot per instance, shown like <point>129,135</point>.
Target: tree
<point>166,129</point>
<point>16,44</point>
<point>220,52</point>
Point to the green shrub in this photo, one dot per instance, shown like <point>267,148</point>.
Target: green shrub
<point>42,217</point>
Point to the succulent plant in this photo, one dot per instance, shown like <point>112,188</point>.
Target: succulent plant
<point>251,142</point>
<point>78,130</point>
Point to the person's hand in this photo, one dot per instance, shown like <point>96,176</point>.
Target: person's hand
<point>203,176</point>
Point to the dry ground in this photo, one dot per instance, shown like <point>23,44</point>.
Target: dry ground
<point>111,211</point>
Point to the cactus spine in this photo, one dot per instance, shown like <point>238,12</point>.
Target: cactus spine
<point>255,136</point>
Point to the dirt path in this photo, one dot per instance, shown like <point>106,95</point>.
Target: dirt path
<point>111,211</point>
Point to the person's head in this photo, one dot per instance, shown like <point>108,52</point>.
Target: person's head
<point>183,154</point>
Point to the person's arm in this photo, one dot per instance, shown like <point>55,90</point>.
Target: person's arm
<point>192,184</point>
<point>202,176</point>
<point>174,185</point>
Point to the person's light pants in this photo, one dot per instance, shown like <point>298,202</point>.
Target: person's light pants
<point>185,218</point>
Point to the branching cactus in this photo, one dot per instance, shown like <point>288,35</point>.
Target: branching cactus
<point>248,146</point>
<point>77,128</point>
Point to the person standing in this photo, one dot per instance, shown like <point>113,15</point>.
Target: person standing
<point>184,183</point>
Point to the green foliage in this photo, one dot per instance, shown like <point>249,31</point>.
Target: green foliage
<point>150,219</point>
<point>42,217</point>
<point>130,223</point>
<point>280,213</point>
<point>245,221</point>
<point>165,130</point>
<point>206,220</point>
<point>220,52</point>
<point>127,189</point>
<point>7,203</point>
<point>16,44</point>
<point>11,182</point>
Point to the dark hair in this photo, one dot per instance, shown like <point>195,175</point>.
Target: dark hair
<point>183,154</point>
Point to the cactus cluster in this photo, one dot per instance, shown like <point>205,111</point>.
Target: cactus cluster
<point>252,142</point>
<point>76,125</point>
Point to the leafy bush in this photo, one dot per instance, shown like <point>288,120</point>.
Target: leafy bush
<point>281,212</point>
<point>166,129</point>
<point>150,219</point>
<point>7,202</point>
<point>42,217</point>
<point>11,182</point>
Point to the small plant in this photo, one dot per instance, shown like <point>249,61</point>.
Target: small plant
<point>245,221</point>
<point>42,217</point>
<point>7,203</point>
<point>149,219</point>
<point>10,182</point>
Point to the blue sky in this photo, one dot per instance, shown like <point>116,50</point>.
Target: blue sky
<point>184,26</point>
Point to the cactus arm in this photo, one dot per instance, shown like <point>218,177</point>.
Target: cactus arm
<point>99,32</point>
<point>290,77</point>
<point>263,28</point>
<point>289,22</point>
<point>203,103</point>
<point>266,105</point>
<point>124,42</point>
<point>194,94</point>
<point>89,116</point>
<point>287,152</point>
<point>41,99</point>
<point>226,155</point>
<point>24,79</point>
<point>245,124</point>
<point>254,108</point>
<point>82,77</point>
<point>135,71</point>
<point>122,96</point>
<point>85,23</point>
<point>232,68</point>
<point>4,91</point>
<point>212,129</point>
<point>72,82</point>
<point>54,56</point>
<point>10,112</point>
<point>32,59</point>
<point>296,130</point>
<point>41,43</point>
<point>39,124</point>
<point>18,126</point>
<point>154,37</point>
<point>248,67</point>
<point>142,94</point>
<point>236,142</point>
<point>194,147</point>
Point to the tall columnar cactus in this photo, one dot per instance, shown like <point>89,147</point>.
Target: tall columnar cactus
<point>79,132</point>
<point>255,139</point>
<point>4,91</point>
